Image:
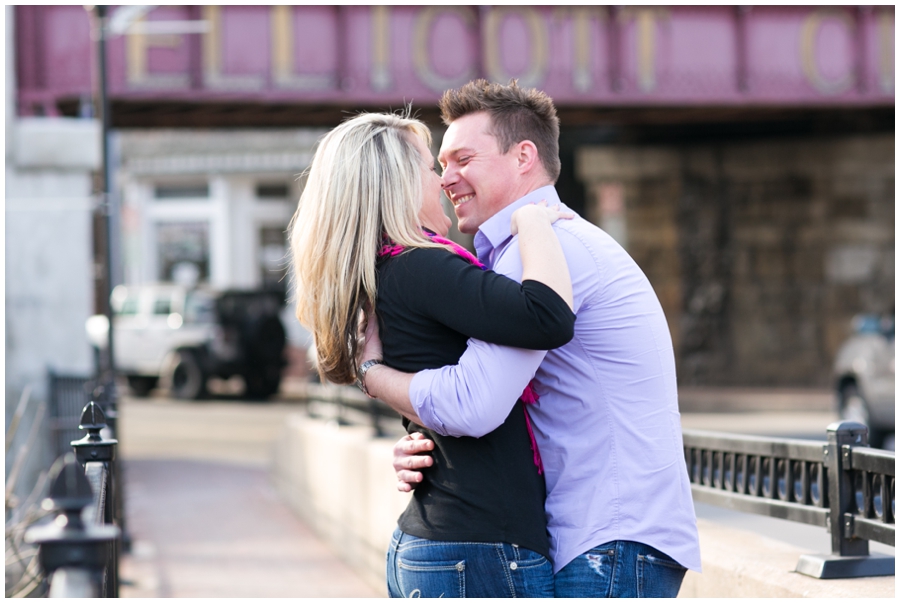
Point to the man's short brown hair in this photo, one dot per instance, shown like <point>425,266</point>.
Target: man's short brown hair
<point>516,114</point>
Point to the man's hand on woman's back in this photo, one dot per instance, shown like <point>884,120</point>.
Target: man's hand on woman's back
<point>411,453</point>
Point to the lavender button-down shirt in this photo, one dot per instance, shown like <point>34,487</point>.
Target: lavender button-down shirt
<point>607,422</point>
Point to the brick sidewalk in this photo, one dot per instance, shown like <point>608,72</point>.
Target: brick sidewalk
<point>212,529</point>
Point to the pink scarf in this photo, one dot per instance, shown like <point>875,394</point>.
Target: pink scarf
<point>530,395</point>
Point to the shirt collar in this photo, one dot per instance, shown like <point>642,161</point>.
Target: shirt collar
<point>495,230</point>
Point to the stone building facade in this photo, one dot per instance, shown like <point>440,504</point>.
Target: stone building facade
<point>761,252</point>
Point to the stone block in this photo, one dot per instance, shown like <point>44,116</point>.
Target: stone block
<point>57,142</point>
<point>620,163</point>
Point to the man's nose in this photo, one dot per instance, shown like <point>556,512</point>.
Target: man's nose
<point>448,178</point>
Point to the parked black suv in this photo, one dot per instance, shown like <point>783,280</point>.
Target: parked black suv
<point>179,337</point>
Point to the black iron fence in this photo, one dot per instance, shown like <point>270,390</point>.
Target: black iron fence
<point>347,405</point>
<point>842,485</point>
<point>79,549</point>
<point>68,395</point>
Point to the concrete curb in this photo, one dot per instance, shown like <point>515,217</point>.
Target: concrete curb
<point>738,563</point>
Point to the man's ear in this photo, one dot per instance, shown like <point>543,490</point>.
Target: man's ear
<point>526,156</point>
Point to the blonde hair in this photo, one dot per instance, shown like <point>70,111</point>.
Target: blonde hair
<point>364,184</point>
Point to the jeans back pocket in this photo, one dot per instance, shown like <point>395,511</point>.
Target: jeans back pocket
<point>431,579</point>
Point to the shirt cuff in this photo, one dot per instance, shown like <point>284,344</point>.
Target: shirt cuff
<point>422,401</point>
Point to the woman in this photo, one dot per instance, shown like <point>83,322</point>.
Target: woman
<point>369,229</point>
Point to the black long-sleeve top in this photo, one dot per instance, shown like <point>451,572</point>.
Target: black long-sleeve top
<point>430,302</point>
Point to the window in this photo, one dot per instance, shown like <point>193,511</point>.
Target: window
<point>183,252</point>
<point>162,305</point>
<point>199,308</point>
<point>272,190</point>
<point>195,190</point>
<point>129,307</point>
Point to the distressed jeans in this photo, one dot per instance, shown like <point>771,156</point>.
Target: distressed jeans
<point>417,567</point>
<point>620,569</point>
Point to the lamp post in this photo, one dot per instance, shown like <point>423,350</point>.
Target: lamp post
<point>125,21</point>
<point>108,204</point>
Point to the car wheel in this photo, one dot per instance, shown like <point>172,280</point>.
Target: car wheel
<point>855,408</point>
<point>187,380</point>
<point>141,386</point>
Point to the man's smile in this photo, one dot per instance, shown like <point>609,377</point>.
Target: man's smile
<point>457,201</point>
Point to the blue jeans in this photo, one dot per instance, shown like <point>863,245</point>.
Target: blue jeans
<point>417,567</point>
<point>620,569</point>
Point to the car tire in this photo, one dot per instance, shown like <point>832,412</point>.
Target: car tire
<point>855,408</point>
<point>141,386</point>
<point>187,380</point>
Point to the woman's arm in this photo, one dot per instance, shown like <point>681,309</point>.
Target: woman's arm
<point>542,255</point>
<point>441,286</point>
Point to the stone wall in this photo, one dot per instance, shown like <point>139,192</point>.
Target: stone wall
<point>341,482</point>
<point>761,252</point>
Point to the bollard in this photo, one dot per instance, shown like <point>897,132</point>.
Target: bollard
<point>849,556</point>
<point>94,448</point>
<point>68,544</point>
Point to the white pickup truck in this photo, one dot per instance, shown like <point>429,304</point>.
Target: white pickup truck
<point>178,337</point>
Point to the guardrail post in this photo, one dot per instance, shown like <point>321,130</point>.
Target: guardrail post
<point>94,448</point>
<point>849,556</point>
<point>72,554</point>
<point>105,397</point>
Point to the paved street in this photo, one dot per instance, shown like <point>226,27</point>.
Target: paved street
<point>203,517</point>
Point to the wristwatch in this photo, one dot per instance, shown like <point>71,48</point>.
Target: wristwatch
<point>361,375</point>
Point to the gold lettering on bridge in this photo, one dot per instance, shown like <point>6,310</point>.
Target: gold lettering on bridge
<point>581,17</point>
<point>422,59</point>
<point>646,30</point>
<point>808,34</point>
<point>538,36</point>
<point>886,50</point>
<point>381,48</point>
<point>283,68</point>
<point>138,47</point>
<point>213,75</point>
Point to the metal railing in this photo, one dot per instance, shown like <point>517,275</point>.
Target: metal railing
<point>79,549</point>
<point>842,485</point>
<point>68,395</point>
<point>347,405</point>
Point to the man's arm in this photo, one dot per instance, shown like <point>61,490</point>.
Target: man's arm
<point>471,398</point>
<point>392,387</point>
<point>477,394</point>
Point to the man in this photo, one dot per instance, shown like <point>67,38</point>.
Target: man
<point>607,427</point>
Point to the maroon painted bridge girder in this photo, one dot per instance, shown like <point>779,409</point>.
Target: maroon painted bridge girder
<point>581,55</point>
